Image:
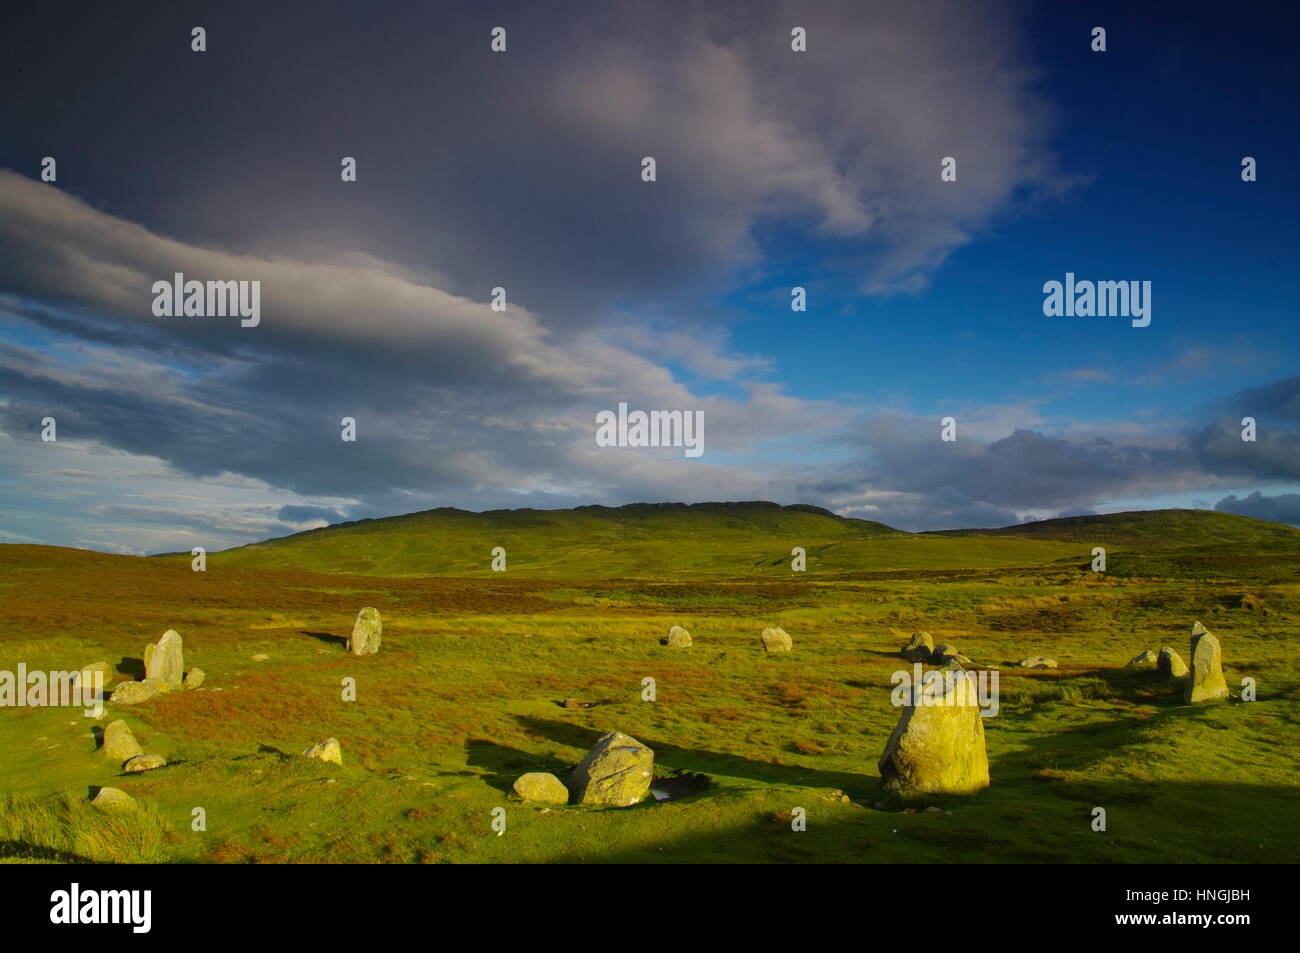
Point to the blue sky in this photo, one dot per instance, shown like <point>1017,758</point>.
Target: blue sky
<point>776,169</point>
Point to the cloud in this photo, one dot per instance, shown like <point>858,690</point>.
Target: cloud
<point>1282,508</point>
<point>309,514</point>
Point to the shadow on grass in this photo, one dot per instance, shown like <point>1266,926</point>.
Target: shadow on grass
<point>19,850</point>
<point>327,638</point>
<point>712,763</point>
<point>131,666</point>
<point>506,764</point>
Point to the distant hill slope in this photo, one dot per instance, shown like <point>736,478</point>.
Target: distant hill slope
<point>1149,528</point>
<point>736,539</point>
<point>587,540</point>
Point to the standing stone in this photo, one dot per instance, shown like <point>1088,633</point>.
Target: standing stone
<point>164,662</point>
<point>543,787</point>
<point>617,771</point>
<point>776,640</point>
<point>938,747</point>
<point>1170,663</point>
<point>366,632</point>
<point>920,649</point>
<point>679,638</point>
<point>1146,660</point>
<point>1205,680</point>
<point>327,750</point>
<point>119,744</point>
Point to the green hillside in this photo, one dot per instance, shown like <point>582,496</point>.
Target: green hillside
<point>724,539</point>
<point>1148,528</point>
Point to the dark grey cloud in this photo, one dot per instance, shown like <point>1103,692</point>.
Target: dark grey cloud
<point>1281,508</point>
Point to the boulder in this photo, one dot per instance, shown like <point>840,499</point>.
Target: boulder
<point>943,652</point>
<point>194,678</point>
<point>88,672</point>
<point>366,632</point>
<point>1170,663</point>
<point>776,640</point>
<point>919,649</point>
<point>327,750</point>
<point>112,799</point>
<point>119,744</point>
<point>1038,661</point>
<point>937,748</point>
<point>1146,660</point>
<point>164,661</point>
<point>144,762</point>
<point>543,787</point>
<point>617,771</point>
<point>132,693</point>
<point>679,638</point>
<point>1205,679</point>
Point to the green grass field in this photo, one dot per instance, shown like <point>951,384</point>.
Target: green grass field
<point>467,692</point>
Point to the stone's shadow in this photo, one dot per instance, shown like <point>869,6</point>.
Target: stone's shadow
<point>507,764</point>
<point>98,732</point>
<point>711,763</point>
<point>269,749</point>
<point>131,666</point>
<point>328,638</point>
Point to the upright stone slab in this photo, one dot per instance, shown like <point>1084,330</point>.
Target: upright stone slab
<point>938,748</point>
<point>919,649</point>
<point>679,638</point>
<point>618,771</point>
<point>776,640</point>
<point>119,743</point>
<point>1170,663</point>
<point>164,662</point>
<point>366,632</point>
<point>1205,680</point>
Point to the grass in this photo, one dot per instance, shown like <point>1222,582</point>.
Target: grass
<point>467,695</point>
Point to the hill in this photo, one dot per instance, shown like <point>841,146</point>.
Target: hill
<point>1149,528</point>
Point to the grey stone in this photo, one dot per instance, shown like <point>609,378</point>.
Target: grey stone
<point>367,632</point>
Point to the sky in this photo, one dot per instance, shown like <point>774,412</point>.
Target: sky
<point>522,169</point>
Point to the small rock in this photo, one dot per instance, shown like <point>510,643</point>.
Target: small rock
<point>572,704</point>
<point>132,693</point>
<point>144,762</point>
<point>1170,663</point>
<point>542,787</point>
<point>112,799</point>
<point>776,640</point>
<point>261,657</point>
<point>679,638</point>
<point>933,810</point>
<point>919,649</point>
<point>1038,661</point>
<point>119,744</point>
<point>1146,660</point>
<point>327,750</point>
<point>194,678</point>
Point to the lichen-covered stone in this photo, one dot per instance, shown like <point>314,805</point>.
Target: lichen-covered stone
<point>144,762</point>
<point>119,743</point>
<point>367,632</point>
<point>164,661</point>
<point>1038,661</point>
<point>937,748</point>
<point>327,750</point>
<point>112,799</point>
<point>1146,660</point>
<point>1205,678</point>
<point>543,787</point>
<point>132,693</point>
<point>919,649</point>
<point>194,678</point>
<point>1170,663</point>
<point>618,771</point>
<point>776,640</point>
<point>679,638</point>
